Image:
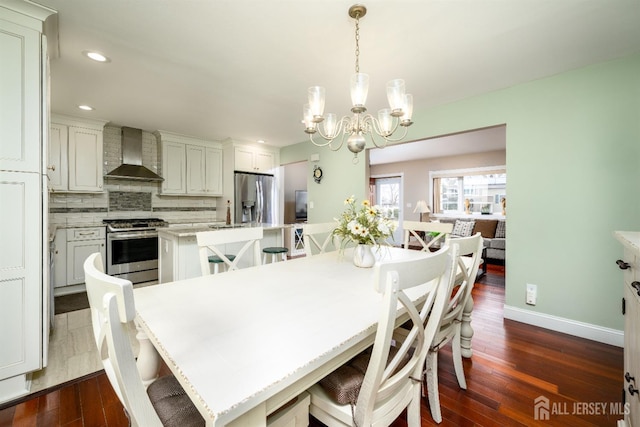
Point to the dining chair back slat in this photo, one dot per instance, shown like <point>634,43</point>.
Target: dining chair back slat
<point>419,230</point>
<point>318,238</point>
<point>210,242</point>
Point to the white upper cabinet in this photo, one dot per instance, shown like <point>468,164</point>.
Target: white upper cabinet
<point>57,168</point>
<point>174,168</point>
<point>251,159</point>
<point>20,120</point>
<point>190,166</point>
<point>85,159</point>
<point>213,171</point>
<point>75,155</point>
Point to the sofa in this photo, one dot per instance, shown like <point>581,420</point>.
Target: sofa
<point>493,232</point>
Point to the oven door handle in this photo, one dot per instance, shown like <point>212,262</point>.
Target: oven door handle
<point>128,236</point>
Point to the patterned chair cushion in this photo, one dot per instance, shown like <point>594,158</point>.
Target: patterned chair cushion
<point>173,406</point>
<point>463,228</point>
<point>343,385</point>
<point>501,230</point>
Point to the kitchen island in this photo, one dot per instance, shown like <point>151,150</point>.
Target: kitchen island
<point>178,250</point>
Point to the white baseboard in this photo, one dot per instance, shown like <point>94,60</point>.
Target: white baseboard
<point>567,326</point>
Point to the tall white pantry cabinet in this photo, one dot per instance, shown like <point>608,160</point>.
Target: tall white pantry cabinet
<point>24,289</point>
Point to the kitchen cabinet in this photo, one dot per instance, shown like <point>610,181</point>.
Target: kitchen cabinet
<point>174,168</point>
<point>252,159</point>
<point>178,256</point>
<point>24,282</point>
<point>630,265</point>
<point>82,242</point>
<point>60,258</point>
<point>204,170</point>
<point>75,155</point>
<point>190,166</point>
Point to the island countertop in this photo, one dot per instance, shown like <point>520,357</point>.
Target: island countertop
<point>191,230</point>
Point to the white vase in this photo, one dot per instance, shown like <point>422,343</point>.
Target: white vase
<point>363,256</point>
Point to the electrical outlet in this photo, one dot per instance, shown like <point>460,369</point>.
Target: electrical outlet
<point>532,294</point>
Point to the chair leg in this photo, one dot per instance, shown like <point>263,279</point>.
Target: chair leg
<point>457,359</point>
<point>432,386</point>
<point>413,410</point>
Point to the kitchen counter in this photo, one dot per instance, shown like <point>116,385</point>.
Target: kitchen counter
<point>178,256</point>
<point>183,230</point>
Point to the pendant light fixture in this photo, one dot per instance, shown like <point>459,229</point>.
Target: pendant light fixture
<point>354,128</point>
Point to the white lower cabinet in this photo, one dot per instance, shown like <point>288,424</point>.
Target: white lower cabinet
<point>82,242</point>
<point>630,265</point>
<point>60,258</point>
<point>178,255</point>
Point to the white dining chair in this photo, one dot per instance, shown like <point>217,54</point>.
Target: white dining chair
<point>164,402</point>
<point>318,238</point>
<point>376,386</point>
<point>419,230</point>
<point>211,245</point>
<point>449,330</point>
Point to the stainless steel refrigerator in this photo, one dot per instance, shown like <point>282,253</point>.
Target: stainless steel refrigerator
<point>255,198</point>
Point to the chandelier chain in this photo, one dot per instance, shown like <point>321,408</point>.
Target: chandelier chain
<point>357,43</point>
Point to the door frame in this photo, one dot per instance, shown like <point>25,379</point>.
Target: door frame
<point>401,200</point>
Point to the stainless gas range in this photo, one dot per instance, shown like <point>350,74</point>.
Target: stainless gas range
<point>132,248</point>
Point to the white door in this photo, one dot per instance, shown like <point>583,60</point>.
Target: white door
<point>389,198</point>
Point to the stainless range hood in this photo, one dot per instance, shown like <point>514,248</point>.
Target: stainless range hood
<point>131,167</point>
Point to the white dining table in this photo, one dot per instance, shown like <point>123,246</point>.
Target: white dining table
<point>244,343</point>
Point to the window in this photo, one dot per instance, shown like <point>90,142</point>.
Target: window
<point>483,188</point>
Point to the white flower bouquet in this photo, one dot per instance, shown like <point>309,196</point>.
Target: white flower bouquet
<point>365,226</point>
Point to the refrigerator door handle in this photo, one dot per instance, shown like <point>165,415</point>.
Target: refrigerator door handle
<point>259,201</point>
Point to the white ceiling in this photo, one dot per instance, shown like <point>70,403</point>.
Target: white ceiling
<point>240,69</point>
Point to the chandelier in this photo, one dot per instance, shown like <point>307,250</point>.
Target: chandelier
<point>354,128</point>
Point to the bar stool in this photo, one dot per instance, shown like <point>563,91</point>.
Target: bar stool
<point>216,261</point>
<point>274,251</point>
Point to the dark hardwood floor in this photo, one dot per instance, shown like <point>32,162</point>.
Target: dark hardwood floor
<point>512,365</point>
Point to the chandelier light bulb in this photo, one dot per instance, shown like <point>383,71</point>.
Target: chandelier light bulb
<point>407,109</point>
<point>316,102</point>
<point>330,123</point>
<point>307,118</point>
<point>395,95</point>
<point>359,92</point>
<point>385,120</point>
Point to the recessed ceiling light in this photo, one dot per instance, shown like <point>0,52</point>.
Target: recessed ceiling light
<point>85,107</point>
<point>96,56</point>
<point>261,141</point>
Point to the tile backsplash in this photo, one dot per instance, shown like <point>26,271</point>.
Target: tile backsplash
<point>128,199</point>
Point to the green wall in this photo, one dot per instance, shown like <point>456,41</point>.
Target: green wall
<point>573,161</point>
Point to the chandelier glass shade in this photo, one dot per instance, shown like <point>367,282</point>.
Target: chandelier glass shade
<point>353,129</point>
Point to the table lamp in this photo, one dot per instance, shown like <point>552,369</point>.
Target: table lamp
<point>423,209</point>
